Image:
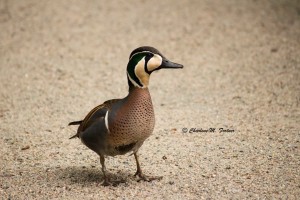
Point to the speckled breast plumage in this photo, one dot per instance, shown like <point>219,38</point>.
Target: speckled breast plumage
<point>130,121</point>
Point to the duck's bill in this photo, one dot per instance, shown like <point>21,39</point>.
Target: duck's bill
<point>170,65</point>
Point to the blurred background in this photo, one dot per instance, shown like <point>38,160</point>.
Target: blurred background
<point>59,59</point>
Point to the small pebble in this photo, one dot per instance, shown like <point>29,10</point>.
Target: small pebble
<point>25,148</point>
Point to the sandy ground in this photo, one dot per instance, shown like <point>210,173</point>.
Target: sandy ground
<point>59,59</point>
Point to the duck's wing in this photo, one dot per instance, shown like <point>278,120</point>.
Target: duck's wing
<point>93,115</point>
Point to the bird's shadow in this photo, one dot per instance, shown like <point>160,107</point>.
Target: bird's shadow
<point>89,176</point>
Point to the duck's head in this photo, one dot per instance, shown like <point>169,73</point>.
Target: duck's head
<point>142,62</point>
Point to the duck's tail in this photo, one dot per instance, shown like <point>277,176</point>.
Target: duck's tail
<point>75,123</point>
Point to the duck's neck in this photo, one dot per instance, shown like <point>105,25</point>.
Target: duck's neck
<point>138,97</point>
<point>133,87</point>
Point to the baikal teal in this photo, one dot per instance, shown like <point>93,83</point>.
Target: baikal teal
<point>120,126</point>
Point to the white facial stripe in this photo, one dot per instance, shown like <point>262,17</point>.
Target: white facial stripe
<point>140,52</point>
<point>106,121</point>
<point>154,62</point>
<point>132,81</point>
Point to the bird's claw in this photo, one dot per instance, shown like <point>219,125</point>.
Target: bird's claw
<point>146,178</point>
<point>114,183</point>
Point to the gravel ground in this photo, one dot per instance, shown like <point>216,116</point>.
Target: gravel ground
<point>59,59</point>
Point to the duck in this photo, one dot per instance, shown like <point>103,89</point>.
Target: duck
<point>120,126</point>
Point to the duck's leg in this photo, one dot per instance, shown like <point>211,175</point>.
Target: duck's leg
<point>140,173</point>
<point>106,181</point>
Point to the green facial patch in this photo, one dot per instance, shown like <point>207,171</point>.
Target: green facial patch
<point>131,67</point>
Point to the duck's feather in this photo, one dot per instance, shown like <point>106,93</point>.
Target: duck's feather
<point>93,115</point>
